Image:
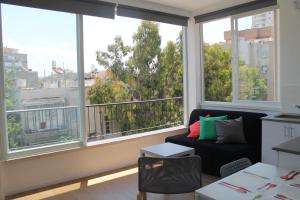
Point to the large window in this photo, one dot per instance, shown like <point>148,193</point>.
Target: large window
<point>217,61</point>
<point>134,76</point>
<point>41,78</point>
<point>74,67</point>
<point>239,59</point>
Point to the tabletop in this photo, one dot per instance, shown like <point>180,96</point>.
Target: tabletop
<point>262,181</point>
<point>167,150</point>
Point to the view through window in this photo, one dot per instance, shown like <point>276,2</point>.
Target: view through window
<point>133,77</point>
<point>251,52</point>
<point>133,72</point>
<point>217,61</point>
<point>41,79</point>
<point>256,57</point>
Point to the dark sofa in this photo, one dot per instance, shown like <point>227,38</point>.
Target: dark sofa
<point>215,155</point>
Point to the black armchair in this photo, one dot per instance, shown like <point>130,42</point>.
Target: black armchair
<point>168,175</point>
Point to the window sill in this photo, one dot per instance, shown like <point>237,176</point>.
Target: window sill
<point>259,106</point>
<point>135,136</point>
<point>95,144</point>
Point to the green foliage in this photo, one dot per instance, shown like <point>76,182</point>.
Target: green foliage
<point>143,63</point>
<point>14,126</point>
<point>252,85</point>
<point>14,129</point>
<point>171,71</point>
<point>108,92</point>
<point>217,73</point>
<point>218,77</point>
<point>113,59</point>
<point>148,73</point>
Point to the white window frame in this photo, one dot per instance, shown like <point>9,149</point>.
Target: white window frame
<point>6,154</point>
<point>236,103</point>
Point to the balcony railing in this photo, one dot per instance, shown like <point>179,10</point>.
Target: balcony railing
<point>33,127</point>
<point>126,118</point>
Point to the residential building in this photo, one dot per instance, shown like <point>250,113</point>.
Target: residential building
<point>262,20</point>
<point>13,59</point>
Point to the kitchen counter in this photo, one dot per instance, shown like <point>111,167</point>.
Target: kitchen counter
<point>292,146</point>
<point>288,118</point>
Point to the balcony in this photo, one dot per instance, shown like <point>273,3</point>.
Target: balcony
<point>34,127</point>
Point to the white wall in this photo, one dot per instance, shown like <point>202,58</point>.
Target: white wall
<point>31,173</point>
<point>289,20</point>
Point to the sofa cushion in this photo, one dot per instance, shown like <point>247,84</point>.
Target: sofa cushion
<point>230,131</point>
<point>194,129</point>
<point>251,122</point>
<point>208,127</point>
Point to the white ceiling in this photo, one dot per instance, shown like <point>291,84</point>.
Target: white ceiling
<point>198,5</point>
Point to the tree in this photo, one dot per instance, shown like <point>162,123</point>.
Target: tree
<point>252,85</point>
<point>217,73</point>
<point>171,69</point>
<point>14,126</point>
<point>113,59</point>
<point>149,73</point>
<point>108,91</point>
<point>218,77</point>
<point>144,63</point>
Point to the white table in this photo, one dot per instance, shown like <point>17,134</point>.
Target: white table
<point>167,150</point>
<point>215,191</point>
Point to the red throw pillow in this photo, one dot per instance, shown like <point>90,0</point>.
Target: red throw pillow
<point>195,129</point>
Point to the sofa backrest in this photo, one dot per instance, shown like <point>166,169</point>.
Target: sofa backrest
<point>251,121</point>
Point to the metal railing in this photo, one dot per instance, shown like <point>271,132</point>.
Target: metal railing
<point>127,118</point>
<point>31,127</point>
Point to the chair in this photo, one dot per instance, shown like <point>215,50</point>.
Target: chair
<point>234,166</point>
<point>168,175</point>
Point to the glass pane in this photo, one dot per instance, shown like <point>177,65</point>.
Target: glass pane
<point>41,79</point>
<point>217,60</point>
<point>256,57</point>
<point>133,76</point>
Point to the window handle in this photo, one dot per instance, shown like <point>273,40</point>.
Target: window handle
<point>285,131</point>
<point>291,132</point>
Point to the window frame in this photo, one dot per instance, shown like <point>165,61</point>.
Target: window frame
<point>251,104</point>
<point>6,154</point>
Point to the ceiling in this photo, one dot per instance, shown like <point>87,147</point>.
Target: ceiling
<point>198,5</point>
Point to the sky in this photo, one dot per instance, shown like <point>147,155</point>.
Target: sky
<point>213,32</point>
<point>49,35</point>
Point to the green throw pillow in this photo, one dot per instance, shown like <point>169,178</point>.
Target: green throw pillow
<point>208,127</point>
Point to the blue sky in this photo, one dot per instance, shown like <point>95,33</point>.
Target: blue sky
<point>48,35</point>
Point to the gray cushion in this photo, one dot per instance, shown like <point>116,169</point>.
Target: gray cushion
<point>230,131</point>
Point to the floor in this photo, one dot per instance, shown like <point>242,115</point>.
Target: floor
<point>121,185</point>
